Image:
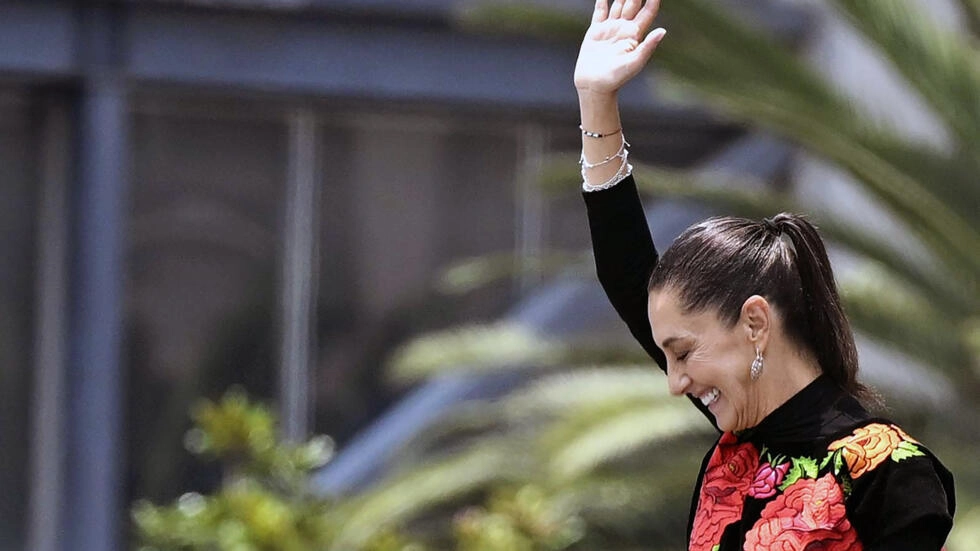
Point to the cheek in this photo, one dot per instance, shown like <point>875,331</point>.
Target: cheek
<point>711,357</point>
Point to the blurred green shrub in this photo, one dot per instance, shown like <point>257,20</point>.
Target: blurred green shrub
<point>264,502</point>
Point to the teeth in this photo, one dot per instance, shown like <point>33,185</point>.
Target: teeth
<point>708,397</point>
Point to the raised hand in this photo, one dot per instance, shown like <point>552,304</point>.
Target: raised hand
<point>617,45</point>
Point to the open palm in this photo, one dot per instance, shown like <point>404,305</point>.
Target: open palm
<point>617,47</point>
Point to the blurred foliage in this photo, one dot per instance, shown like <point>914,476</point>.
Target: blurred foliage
<point>264,503</point>
<point>521,520</point>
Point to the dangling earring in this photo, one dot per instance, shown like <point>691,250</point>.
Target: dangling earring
<point>756,369</point>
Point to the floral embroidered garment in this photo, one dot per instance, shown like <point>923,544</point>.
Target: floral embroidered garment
<point>818,474</point>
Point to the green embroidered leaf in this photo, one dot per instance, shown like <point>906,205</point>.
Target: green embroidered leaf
<point>906,450</point>
<point>826,460</point>
<point>795,473</point>
<point>845,485</point>
<point>716,548</point>
<point>838,463</point>
<point>809,466</point>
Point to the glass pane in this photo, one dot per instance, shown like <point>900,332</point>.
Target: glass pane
<point>202,266</point>
<point>404,195</point>
<point>18,209</point>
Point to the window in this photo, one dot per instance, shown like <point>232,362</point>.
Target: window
<point>203,247</point>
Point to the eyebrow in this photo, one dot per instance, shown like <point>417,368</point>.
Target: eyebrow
<point>669,341</point>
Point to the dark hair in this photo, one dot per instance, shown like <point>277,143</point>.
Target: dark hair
<point>721,262</point>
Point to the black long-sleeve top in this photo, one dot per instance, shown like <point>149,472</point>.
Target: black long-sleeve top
<point>819,472</point>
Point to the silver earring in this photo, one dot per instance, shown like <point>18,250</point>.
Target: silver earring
<point>756,369</point>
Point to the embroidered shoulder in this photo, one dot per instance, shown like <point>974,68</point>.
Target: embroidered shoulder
<point>868,447</point>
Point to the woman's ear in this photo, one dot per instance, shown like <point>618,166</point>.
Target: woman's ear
<point>756,319</point>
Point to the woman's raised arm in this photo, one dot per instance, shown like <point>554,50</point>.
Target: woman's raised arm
<point>615,49</point>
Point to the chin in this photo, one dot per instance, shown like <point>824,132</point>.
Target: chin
<point>726,423</point>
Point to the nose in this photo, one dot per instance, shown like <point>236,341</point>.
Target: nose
<point>677,381</point>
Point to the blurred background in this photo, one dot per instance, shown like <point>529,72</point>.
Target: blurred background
<point>365,214</point>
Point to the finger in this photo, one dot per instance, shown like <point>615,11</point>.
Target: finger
<point>616,11</point>
<point>646,16</point>
<point>601,11</point>
<point>630,8</point>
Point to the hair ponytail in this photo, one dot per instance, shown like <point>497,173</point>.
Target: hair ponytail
<point>721,262</point>
<point>827,327</point>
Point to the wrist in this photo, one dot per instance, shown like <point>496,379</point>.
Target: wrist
<point>590,96</point>
<point>599,112</point>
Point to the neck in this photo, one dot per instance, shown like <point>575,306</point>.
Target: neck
<point>787,372</point>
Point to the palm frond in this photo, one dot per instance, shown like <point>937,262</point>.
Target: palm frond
<point>938,63</point>
<point>625,501</point>
<point>530,408</point>
<point>616,435</point>
<point>952,179</point>
<point>587,389</point>
<point>887,310</point>
<point>809,112</point>
<point>470,274</point>
<point>411,494</point>
<point>472,348</point>
<point>500,347</point>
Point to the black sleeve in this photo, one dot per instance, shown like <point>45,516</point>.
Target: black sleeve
<point>904,506</point>
<point>624,257</point>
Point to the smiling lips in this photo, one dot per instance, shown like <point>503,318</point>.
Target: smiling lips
<point>709,397</point>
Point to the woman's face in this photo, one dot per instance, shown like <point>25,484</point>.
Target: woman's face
<point>707,360</point>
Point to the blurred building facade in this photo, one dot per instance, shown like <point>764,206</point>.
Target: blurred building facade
<point>261,193</point>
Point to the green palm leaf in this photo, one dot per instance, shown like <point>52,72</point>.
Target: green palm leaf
<point>409,495</point>
<point>938,63</point>
<point>889,311</point>
<point>723,61</point>
<point>586,390</point>
<point>614,436</point>
<point>469,274</point>
<point>500,346</point>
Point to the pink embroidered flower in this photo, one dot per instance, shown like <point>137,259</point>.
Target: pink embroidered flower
<point>767,480</point>
<point>723,487</point>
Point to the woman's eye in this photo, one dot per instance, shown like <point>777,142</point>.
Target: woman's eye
<point>683,356</point>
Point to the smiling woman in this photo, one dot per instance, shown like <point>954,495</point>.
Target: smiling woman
<point>745,318</point>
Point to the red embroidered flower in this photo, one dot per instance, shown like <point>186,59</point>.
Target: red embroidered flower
<point>809,516</point>
<point>767,480</point>
<point>726,480</point>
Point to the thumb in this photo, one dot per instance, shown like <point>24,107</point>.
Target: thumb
<point>650,43</point>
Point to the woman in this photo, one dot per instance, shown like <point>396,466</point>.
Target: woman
<point>745,319</point>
